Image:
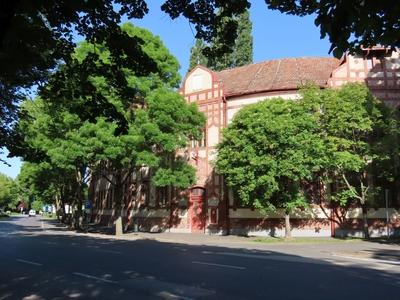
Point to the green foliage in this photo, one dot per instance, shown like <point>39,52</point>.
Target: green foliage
<point>142,126</point>
<point>265,162</point>
<point>240,54</point>
<point>344,137</point>
<point>157,120</point>
<point>178,174</point>
<point>42,181</point>
<point>196,55</point>
<point>36,38</point>
<point>8,195</point>
<point>357,131</point>
<point>349,24</point>
<point>37,205</point>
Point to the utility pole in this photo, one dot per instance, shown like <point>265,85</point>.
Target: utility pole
<point>387,212</point>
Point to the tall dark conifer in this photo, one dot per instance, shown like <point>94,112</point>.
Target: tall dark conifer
<point>196,55</point>
<point>242,52</point>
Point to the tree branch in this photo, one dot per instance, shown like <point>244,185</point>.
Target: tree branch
<point>106,177</point>
<point>351,188</point>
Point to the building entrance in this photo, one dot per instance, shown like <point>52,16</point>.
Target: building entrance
<point>197,210</point>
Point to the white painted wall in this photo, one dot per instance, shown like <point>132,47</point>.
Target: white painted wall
<point>234,104</point>
<point>198,80</point>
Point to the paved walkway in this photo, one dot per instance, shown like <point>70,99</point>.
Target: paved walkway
<point>355,249</point>
<point>375,250</point>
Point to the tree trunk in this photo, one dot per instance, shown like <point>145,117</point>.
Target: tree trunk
<point>77,215</point>
<point>118,204</point>
<point>62,208</point>
<point>365,221</point>
<point>397,189</point>
<point>288,233</point>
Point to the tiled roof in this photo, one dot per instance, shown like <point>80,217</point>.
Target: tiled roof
<point>280,74</point>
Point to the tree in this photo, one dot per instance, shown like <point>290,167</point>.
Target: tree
<point>196,55</point>
<point>349,24</point>
<point>37,205</point>
<point>344,138</point>
<point>160,128</point>
<point>8,196</point>
<point>358,134</point>
<point>36,37</point>
<point>266,163</point>
<point>239,55</point>
<point>45,182</point>
<point>243,54</point>
<point>136,133</point>
<point>52,132</point>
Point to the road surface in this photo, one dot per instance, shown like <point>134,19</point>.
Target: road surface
<point>40,261</point>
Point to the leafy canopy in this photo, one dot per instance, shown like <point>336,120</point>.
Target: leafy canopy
<point>148,124</point>
<point>349,24</point>
<point>360,136</point>
<point>8,195</point>
<point>36,37</point>
<point>274,150</point>
<point>268,150</point>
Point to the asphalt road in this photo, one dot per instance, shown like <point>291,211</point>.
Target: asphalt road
<point>42,262</point>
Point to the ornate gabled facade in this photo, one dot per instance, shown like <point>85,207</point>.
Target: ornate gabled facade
<point>378,68</point>
<point>208,206</point>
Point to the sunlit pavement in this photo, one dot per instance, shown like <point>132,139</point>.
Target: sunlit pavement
<point>41,261</point>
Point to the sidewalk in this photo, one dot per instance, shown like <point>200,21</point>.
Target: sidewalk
<point>357,249</point>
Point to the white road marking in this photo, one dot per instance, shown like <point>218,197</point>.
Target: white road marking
<point>373,260</point>
<point>180,249</point>
<point>283,257</point>
<point>29,262</point>
<point>322,260</point>
<point>93,277</point>
<point>98,249</point>
<point>51,243</point>
<point>108,251</point>
<point>218,265</point>
<point>168,295</point>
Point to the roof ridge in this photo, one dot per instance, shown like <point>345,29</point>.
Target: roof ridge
<point>277,59</point>
<point>277,74</point>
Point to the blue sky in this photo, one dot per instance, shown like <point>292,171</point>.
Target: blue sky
<point>275,36</point>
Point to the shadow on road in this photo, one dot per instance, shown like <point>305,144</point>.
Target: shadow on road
<point>85,267</point>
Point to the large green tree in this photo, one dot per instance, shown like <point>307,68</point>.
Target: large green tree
<point>153,119</point>
<point>197,56</point>
<point>266,162</point>
<point>360,136</point>
<point>349,25</point>
<point>8,195</point>
<point>344,138</point>
<point>50,134</point>
<point>160,128</point>
<point>45,182</point>
<point>36,36</point>
<point>240,54</point>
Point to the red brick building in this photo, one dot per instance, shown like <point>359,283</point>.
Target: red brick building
<point>209,207</point>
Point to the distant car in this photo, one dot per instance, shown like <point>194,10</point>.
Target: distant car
<point>32,213</point>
